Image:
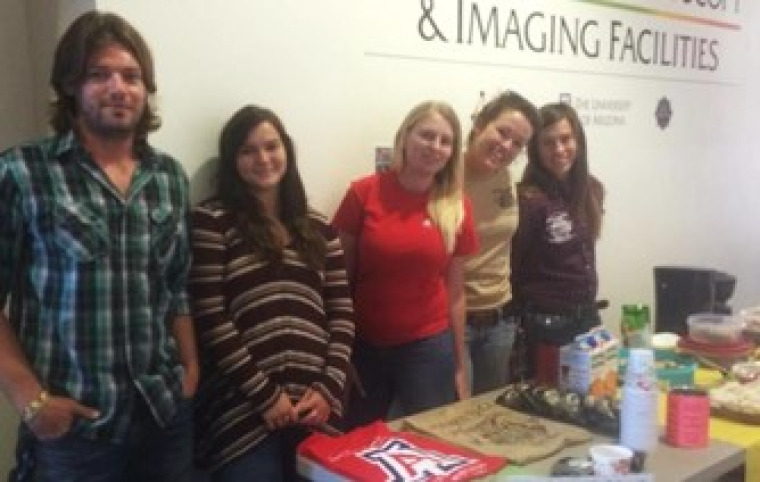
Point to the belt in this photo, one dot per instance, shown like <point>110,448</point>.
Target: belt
<point>578,311</point>
<point>485,318</point>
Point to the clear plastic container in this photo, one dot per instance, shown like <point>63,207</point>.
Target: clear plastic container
<point>715,328</point>
<point>751,317</point>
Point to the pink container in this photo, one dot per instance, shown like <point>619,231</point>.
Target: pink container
<point>688,418</point>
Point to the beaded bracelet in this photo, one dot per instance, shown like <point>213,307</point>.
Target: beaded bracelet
<point>34,407</point>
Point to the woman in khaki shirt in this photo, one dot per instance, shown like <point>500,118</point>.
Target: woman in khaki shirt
<point>500,131</point>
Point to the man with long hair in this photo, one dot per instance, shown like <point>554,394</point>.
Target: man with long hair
<point>98,348</point>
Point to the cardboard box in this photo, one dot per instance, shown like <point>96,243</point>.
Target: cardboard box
<point>589,364</point>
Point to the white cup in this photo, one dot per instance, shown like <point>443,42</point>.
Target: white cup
<point>611,459</point>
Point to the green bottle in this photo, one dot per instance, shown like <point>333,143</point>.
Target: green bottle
<point>636,326</point>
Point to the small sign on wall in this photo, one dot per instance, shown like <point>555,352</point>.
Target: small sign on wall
<point>383,156</point>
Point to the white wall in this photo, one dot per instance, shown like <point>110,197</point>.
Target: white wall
<point>681,195</point>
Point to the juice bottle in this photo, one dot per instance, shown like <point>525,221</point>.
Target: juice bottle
<point>636,326</point>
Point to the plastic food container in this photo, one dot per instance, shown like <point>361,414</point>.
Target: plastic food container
<point>665,342</point>
<point>751,318</point>
<point>715,328</point>
<point>673,369</point>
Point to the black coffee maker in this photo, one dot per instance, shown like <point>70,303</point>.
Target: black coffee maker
<point>682,291</point>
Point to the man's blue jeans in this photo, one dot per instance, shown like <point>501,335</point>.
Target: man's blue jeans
<point>149,454</point>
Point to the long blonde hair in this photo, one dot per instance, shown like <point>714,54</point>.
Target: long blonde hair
<point>445,204</point>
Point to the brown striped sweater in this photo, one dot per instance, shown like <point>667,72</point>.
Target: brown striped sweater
<point>262,328</point>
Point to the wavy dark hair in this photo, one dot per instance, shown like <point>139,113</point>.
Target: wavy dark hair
<point>506,101</point>
<point>583,192</point>
<point>85,36</point>
<point>253,223</point>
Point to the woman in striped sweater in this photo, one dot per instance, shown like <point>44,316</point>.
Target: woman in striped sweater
<point>272,308</point>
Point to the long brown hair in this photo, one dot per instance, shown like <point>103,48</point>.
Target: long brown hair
<point>252,221</point>
<point>583,192</point>
<point>84,37</point>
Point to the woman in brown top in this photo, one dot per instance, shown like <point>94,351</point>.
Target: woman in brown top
<point>553,261</point>
<point>272,308</point>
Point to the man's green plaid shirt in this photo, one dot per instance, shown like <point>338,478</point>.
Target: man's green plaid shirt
<point>104,277</point>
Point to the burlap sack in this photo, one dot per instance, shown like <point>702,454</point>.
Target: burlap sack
<point>491,429</point>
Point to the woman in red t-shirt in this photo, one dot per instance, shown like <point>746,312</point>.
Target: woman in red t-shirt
<point>405,233</point>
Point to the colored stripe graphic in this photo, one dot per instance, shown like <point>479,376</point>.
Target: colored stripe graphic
<point>664,14</point>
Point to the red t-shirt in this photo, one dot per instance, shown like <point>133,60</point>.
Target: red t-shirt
<point>374,453</point>
<point>401,261</point>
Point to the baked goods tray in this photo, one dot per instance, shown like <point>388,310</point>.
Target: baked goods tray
<point>737,401</point>
<point>741,417</point>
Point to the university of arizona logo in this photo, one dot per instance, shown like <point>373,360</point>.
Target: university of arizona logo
<point>559,227</point>
<point>402,461</point>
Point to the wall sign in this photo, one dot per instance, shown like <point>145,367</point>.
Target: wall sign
<point>680,40</point>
